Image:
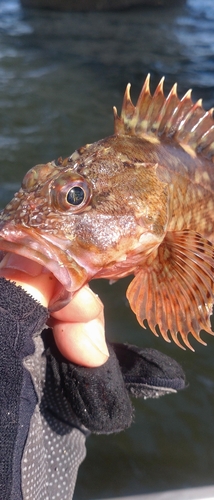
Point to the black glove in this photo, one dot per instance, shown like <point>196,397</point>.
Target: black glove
<point>47,404</point>
<point>149,373</point>
<point>20,318</point>
<point>100,396</point>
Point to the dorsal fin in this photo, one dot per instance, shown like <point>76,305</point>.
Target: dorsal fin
<point>158,116</point>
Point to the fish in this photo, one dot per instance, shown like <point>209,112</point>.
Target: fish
<point>139,202</point>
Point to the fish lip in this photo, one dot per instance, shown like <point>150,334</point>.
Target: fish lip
<point>18,241</point>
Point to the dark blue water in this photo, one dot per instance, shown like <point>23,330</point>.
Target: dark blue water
<point>60,75</point>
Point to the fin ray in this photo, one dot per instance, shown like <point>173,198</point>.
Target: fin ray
<point>175,292</point>
<point>194,323</point>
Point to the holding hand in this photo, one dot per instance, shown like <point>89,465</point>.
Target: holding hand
<point>78,328</point>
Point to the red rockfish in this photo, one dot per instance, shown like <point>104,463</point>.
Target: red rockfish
<point>138,202</point>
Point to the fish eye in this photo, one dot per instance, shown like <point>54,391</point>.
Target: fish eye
<point>71,192</point>
<point>75,195</point>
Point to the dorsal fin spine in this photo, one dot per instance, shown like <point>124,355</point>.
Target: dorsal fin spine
<point>169,117</point>
<point>166,104</point>
<point>128,106</point>
<point>143,104</point>
<point>204,140</point>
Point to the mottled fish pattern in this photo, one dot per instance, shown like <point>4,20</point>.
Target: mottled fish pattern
<point>138,202</point>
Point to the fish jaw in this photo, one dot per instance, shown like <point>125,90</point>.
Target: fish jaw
<point>21,250</point>
<point>26,250</point>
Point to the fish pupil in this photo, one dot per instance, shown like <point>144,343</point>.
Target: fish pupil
<point>75,195</point>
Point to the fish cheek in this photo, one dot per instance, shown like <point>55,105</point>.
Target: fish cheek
<point>101,235</point>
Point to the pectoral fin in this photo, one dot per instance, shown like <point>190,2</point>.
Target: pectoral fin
<point>175,291</point>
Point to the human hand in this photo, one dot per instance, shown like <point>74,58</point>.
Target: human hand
<point>78,328</point>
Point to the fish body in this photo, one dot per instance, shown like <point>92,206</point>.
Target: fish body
<point>138,202</point>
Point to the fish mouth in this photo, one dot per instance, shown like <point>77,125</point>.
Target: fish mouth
<point>33,255</point>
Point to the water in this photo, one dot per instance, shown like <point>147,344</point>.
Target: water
<point>60,74</point>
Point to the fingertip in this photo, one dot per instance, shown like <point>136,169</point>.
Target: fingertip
<point>84,306</point>
<point>81,343</point>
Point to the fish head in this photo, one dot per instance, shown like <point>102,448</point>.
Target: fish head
<point>97,213</point>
